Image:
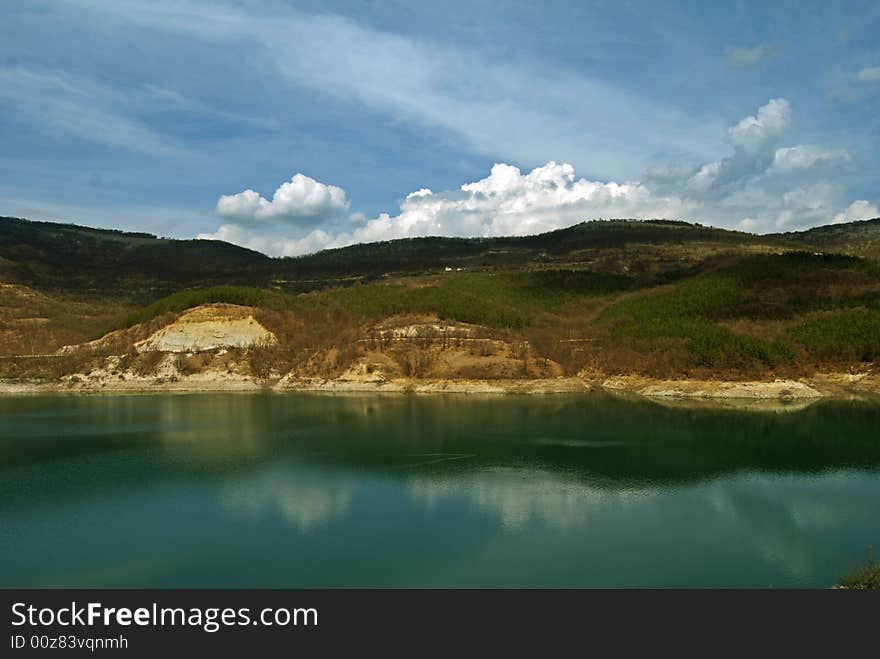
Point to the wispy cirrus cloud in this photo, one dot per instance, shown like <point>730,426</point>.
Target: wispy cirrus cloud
<point>73,106</point>
<point>525,110</point>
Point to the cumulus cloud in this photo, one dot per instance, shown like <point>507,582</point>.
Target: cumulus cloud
<point>301,200</point>
<point>754,140</point>
<point>761,186</point>
<point>507,202</point>
<point>869,74</point>
<point>746,57</point>
<point>861,209</point>
<point>272,242</point>
<point>755,133</point>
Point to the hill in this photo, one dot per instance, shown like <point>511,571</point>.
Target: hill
<point>655,299</point>
<point>861,238</point>
<point>135,266</point>
<point>569,246</point>
<point>141,267</point>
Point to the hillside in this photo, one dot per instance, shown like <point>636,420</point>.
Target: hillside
<point>599,300</point>
<point>860,238</point>
<point>134,266</point>
<point>141,267</point>
<point>580,244</point>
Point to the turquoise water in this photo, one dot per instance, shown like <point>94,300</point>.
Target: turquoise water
<point>305,490</point>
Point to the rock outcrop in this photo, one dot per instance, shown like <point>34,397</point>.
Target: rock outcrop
<point>208,327</point>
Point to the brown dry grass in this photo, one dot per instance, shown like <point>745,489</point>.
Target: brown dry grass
<point>34,323</point>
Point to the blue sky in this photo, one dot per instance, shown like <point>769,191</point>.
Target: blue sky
<point>375,120</point>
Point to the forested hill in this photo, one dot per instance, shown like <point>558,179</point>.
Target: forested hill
<point>140,266</point>
<point>66,257</point>
<point>412,254</point>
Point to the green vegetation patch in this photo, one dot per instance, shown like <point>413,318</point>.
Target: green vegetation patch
<point>852,335</point>
<point>567,283</point>
<point>783,286</point>
<point>494,300</point>
<point>479,299</point>
<point>689,310</point>
<point>761,288</point>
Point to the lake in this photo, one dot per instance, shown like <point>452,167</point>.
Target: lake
<point>298,490</point>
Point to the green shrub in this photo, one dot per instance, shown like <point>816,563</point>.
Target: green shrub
<point>852,335</point>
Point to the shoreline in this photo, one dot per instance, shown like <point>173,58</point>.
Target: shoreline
<point>778,394</point>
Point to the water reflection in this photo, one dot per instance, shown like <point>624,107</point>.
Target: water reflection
<point>610,442</point>
<point>303,498</point>
<point>521,498</point>
<point>298,490</point>
<point>776,520</point>
<point>780,515</point>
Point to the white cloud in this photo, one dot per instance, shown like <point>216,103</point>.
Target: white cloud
<point>861,209</point>
<point>271,242</point>
<point>507,202</point>
<point>705,176</point>
<point>746,57</point>
<point>805,156</point>
<point>301,200</point>
<point>754,140</point>
<point>761,186</point>
<point>869,74</point>
<point>755,133</point>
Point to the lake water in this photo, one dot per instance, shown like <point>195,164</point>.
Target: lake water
<point>240,490</point>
